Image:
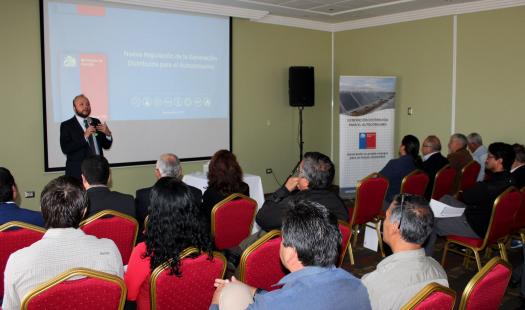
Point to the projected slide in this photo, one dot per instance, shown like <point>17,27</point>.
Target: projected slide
<point>150,74</point>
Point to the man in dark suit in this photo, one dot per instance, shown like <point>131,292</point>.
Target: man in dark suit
<point>9,211</point>
<point>518,166</point>
<point>168,165</point>
<point>81,136</point>
<point>95,177</point>
<point>433,161</point>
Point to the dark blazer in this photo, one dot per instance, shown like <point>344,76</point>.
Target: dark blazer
<point>431,166</point>
<point>395,170</point>
<point>519,176</point>
<point>75,146</point>
<point>11,212</point>
<point>101,198</point>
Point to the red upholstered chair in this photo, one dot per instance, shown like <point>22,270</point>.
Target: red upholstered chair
<point>232,220</point>
<point>119,227</point>
<point>486,289</point>
<point>193,289</point>
<point>260,264</point>
<point>432,297</point>
<point>346,234</point>
<point>501,219</point>
<point>469,175</point>
<point>518,227</point>
<point>13,237</point>
<point>370,194</point>
<point>443,182</point>
<point>95,290</point>
<point>414,183</point>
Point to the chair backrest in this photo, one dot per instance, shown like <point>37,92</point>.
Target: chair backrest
<point>443,182</point>
<point>119,227</point>
<point>519,219</point>
<point>370,194</point>
<point>13,237</point>
<point>232,220</point>
<point>346,233</point>
<point>415,183</point>
<point>95,290</point>
<point>486,289</point>
<point>502,217</point>
<point>193,289</point>
<point>469,175</point>
<point>260,264</point>
<point>433,296</point>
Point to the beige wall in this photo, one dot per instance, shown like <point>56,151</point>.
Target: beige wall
<point>490,66</point>
<point>261,57</point>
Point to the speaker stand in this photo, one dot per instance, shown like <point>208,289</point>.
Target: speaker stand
<point>301,144</point>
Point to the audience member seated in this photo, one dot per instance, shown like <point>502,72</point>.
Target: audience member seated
<point>402,275</point>
<point>168,165</point>
<point>9,211</point>
<point>173,226</point>
<point>518,166</point>
<point>477,200</point>
<point>479,152</point>
<point>63,247</point>
<point>224,179</point>
<point>396,169</point>
<point>309,250</point>
<point>433,161</point>
<point>458,155</point>
<point>95,177</point>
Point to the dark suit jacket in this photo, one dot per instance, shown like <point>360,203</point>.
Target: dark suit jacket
<point>11,212</point>
<point>395,170</point>
<point>431,166</point>
<point>101,198</point>
<point>75,146</point>
<point>519,176</point>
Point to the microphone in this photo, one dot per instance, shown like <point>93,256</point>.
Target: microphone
<point>93,123</point>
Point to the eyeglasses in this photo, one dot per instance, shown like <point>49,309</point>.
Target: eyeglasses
<point>400,200</point>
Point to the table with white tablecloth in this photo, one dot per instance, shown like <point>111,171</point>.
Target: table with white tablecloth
<point>200,181</point>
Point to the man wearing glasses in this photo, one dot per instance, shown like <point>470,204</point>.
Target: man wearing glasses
<point>400,276</point>
<point>477,200</point>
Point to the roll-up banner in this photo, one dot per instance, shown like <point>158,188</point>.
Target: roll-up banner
<point>366,127</point>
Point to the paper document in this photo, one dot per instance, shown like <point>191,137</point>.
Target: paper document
<point>443,210</point>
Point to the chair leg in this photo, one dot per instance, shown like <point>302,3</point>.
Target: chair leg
<point>445,250</point>
<point>379,237</point>
<point>355,234</point>
<point>351,254</point>
<point>503,251</point>
<point>478,260</point>
<point>522,235</point>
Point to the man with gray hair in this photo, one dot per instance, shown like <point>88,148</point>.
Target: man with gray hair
<point>458,156</point>
<point>433,161</point>
<point>168,165</point>
<point>400,276</point>
<point>479,152</point>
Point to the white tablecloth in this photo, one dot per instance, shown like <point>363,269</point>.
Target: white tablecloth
<point>200,181</point>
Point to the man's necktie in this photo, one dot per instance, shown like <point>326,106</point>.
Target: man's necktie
<point>91,140</point>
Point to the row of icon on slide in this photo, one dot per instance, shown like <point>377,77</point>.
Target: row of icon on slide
<point>170,102</point>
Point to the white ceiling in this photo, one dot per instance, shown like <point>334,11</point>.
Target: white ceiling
<point>329,15</point>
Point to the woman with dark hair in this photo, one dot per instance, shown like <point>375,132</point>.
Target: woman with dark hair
<point>396,169</point>
<point>224,179</point>
<point>174,224</point>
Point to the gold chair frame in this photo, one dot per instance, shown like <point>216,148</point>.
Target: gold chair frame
<point>185,253</point>
<point>377,220</point>
<point>478,277</point>
<point>221,203</point>
<point>427,291</point>
<point>103,213</point>
<point>13,224</point>
<point>242,263</point>
<point>501,242</point>
<point>83,272</point>
<point>347,246</point>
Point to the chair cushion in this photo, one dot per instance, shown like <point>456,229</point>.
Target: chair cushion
<point>474,242</point>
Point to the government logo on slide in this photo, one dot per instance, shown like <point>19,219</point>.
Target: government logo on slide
<point>367,140</point>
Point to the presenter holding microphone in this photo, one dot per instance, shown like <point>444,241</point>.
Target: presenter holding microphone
<point>81,136</point>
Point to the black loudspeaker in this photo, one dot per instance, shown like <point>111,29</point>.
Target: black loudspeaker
<point>301,86</point>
